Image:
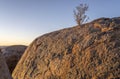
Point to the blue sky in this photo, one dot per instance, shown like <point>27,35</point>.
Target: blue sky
<point>21,21</point>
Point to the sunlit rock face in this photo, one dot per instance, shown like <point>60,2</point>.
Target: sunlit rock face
<point>4,71</point>
<point>89,51</point>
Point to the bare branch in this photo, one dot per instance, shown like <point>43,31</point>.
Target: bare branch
<point>79,14</point>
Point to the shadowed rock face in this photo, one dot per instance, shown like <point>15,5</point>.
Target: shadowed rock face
<point>4,71</point>
<point>12,55</point>
<point>91,51</point>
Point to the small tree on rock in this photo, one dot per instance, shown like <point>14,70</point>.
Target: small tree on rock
<point>79,14</point>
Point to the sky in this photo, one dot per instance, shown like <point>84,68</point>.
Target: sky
<point>21,21</point>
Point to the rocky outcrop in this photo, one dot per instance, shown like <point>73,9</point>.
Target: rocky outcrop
<point>12,55</point>
<point>4,71</point>
<point>91,51</point>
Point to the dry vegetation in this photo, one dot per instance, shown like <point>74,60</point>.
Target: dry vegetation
<point>79,14</point>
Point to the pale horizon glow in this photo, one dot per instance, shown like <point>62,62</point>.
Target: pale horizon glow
<point>21,21</point>
<point>9,43</point>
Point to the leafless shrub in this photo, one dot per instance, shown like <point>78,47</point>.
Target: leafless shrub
<point>79,14</point>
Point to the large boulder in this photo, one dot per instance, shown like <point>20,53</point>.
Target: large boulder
<point>12,55</point>
<point>89,51</point>
<point>4,71</point>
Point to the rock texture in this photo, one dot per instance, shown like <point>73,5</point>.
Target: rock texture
<point>4,71</point>
<point>12,55</point>
<point>91,51</point>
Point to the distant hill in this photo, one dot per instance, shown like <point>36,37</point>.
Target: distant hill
<point>4,71</point>
<point>89,51</point>
<point>1,47</point>
<point>12,54</point>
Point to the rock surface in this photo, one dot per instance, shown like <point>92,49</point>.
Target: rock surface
<point>12,55</point>
<point>91,51</point>
<point>4,71</point>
